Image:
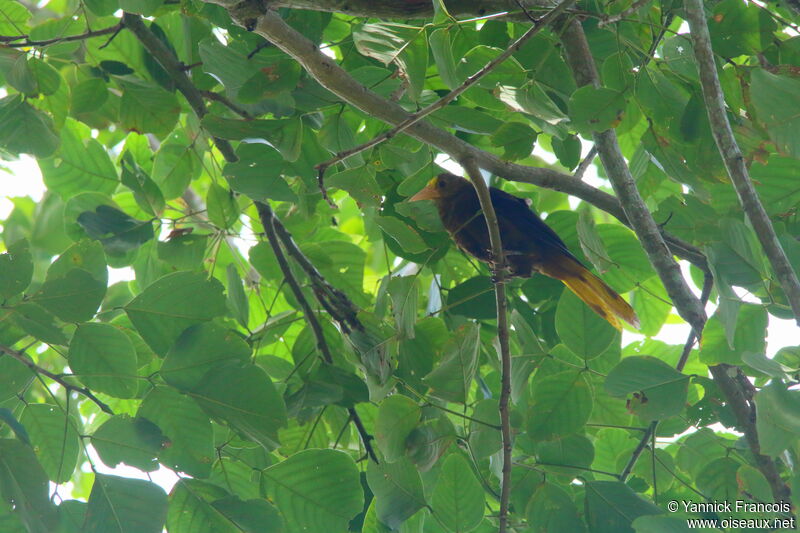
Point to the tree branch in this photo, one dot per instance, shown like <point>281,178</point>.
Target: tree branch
<point>9,40</point>
<point>538,25</point>
<point>732,156</point>
<point>331,76</point>
<point>268,219</point>
<point>499,273</point>
<point>688,306</point>
<point>19,356</point>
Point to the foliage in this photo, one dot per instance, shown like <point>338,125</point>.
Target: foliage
<point>200,356</point>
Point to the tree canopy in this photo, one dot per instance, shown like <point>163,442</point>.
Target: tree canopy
<point>309,351</point>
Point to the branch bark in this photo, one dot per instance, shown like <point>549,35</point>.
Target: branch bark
<point>331,76</point>
<point>580,59</point>
<point>732,156</point>
<point>19,356</point>
<point>498,268</point>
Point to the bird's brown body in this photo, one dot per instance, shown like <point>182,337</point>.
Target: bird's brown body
<point>530,245</point>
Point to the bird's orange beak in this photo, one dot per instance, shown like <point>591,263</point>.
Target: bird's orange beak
<point>428,193</point>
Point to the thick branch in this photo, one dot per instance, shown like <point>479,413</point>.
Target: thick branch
<point>19,356</point>
<point>268,220</point>
<point>688,306</point>
<point>331,76</point>
<point>498,268</point>
<point>732,156</point>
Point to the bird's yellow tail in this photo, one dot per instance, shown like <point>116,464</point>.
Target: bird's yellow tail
<point>601,298</point>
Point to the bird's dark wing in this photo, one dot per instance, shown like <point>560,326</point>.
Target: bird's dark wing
<point>523,230</point>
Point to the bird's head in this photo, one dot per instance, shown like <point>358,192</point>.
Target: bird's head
<point>444,185</point>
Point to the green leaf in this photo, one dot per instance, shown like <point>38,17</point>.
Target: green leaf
<point>190,446</point>
<point>118,232</point>
<point>398,415</point>
<point>171,304</point>
<point>452,379</point>
<point>738,29</point>
<point>245,398</point>
<point>82,164</point>
<point>662,389</point>
<point>316,490</point>
<point>581,329</point>
<point>596,109</point>
<point>237,299</point>
<point>47,78</point>
<point>258,173</point>
<point>25,484</point>
<point>405,236</point>
<point>567,150</point>
<point>396,43</point>
<point>778,421</point>
<point>661,524</point>
<point>458,498</point>
<point>16,269</point>
<point>552,509</point>
<point>749,334</point>
<point>442,51</point>
<point>559,404</point>
<point>24,129</point>
<point>398,491</point>
<point>174,167</point>
<point>473,298</point>
<point>651,303</point>
<point>718,480</point>
<point>147,108</point>
<point>483,439</point>
<point>74,297</point>
<point>183,252</point>
<point>359,183</point>
<point>38,323</point>
<point>133,441</point>
<point>775,99</point>
<point>54,437</point>
<point>629,261</point>
<point>103,358</point>
<point>516,139</point>
<point>198,507</point>
<point>15,18</point>
<point>611,506</point>
<point>123,505</point>
<point>198,350</point>
<point>148,196</point>
<point>223,210</point>
<point>14,376</point>
<point>404,292</point>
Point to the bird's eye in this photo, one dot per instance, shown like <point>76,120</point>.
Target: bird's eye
<point>440,184</point>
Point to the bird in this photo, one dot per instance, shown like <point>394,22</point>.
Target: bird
<point>529,244</point>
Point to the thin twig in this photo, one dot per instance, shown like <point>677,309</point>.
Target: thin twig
<point>498,275</point>
<point>610,19</point>
<point>732,156</point>
<point>268,220</point>
<point>584,165</point>
<point>81,37</point>
<point>222,99</point>
<point>19,356</point>
<point>538,25</point>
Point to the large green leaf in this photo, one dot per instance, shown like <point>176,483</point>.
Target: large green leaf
<point>23,483</point>
<point>199,349</point>
<point>81,164</point>
<point>16,269</point>
<point>245,398</point>
<point>397,416</point>
<point>559,404</point>
<point>316,490</point>
<point>398,491</point>
<point>580,328</point>
<point>778,421</point>
<point>25,129</point>
<point>74,297</point>
<point>133,441</point>
<point>104,358</point>
<point>552,509</point>
<point>122,505</point>
<point>396,43</point>
<point>173,303</point>
<point>189,447</point>
<point>458,498</point>
<point>54,437</point>
<point>451,380</point>
<point>659,390</point>
<point>147,108</point>
<point>611,506</point>
<point>258,173</point>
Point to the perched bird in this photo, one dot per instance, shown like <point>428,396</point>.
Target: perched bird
<point>529,244</point>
